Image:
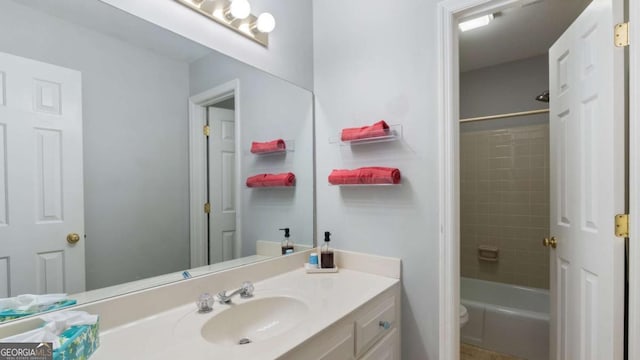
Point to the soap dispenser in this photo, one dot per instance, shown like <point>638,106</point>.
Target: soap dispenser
<point>326,255</point>
<point>287,243</point>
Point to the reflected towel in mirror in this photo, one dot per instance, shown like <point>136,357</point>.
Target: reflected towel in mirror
<point>271,180</point>
<point>365,175</point>
<point>268,146</point>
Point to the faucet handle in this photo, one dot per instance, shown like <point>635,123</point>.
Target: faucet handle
<point>205,303</point>
<point>247,290</point>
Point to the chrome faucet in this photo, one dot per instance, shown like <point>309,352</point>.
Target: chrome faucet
<point>245,291</point>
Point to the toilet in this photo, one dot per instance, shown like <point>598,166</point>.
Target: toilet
<point>464,316</point>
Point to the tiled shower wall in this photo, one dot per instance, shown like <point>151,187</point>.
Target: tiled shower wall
<point>504,184</point>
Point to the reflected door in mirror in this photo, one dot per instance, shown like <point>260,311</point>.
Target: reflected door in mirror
<point>222,185</point>
<point>41,196</point>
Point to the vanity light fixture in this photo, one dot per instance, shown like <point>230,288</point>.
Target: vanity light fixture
<point>235,15</point>
<point>475,23</point>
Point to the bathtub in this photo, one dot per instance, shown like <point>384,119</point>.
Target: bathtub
<point>508,319</point>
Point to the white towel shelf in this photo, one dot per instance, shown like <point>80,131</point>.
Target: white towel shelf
<point>393,134</point>
<point>362,185</point>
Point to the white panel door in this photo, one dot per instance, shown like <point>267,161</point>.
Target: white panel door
<point>222,185</point>
<point>587,187</point>
<point>41,193</point>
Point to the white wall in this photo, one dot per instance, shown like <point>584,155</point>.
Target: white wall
<point>135,144</point>
<point>290,52</point>
<point>376,59</point>
<point>270,108</point>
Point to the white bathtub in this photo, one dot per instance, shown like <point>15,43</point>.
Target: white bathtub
<point>506,318</point>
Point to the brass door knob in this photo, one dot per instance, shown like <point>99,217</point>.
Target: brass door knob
<point>73,238</point>
<point>553,242</point>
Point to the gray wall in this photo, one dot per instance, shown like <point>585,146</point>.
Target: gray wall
<point>369,67</point>
<point>270,108</point>
<point>135,144</point>
<point>504,88</point>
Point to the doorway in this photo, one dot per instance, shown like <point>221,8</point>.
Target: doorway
<point>504,209</point>
<point>450,13</point>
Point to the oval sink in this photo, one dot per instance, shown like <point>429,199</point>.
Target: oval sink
<point>254,320</point>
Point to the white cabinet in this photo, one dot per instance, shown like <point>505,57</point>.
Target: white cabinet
<point>334,343</point>
<point>386,349</point>
<point>374,324</point>
<point>371,332</point>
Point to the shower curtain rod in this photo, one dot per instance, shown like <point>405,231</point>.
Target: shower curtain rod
<point>508,115</point>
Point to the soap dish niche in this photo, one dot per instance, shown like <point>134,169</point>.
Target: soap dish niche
<point>488,253</point>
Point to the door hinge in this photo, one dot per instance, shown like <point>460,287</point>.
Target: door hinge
<point>621,35</point>
<point>206,130</point>
<point>207,208</point>
<point>622,225</point>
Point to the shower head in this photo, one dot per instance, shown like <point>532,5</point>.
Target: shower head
<point>544,97</point>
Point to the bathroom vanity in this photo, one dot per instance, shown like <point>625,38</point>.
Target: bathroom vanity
<point>351,314</point>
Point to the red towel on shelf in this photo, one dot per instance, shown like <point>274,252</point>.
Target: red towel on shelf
<point>376,130</point>
<point>268,146</point>
<point>365,175</point>
<point>271,180</point>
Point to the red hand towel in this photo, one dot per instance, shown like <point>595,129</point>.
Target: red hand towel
<point>376,130</point>
<point>268,146</point>
<point>271,180</point>
<point>365,175</point>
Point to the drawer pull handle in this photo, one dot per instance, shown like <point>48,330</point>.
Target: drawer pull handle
<point>384,324</point>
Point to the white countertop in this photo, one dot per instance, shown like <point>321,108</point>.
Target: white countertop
<point>175,333</point>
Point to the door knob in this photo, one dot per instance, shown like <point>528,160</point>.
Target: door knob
<point>553,242</point>
<point>73,238</point>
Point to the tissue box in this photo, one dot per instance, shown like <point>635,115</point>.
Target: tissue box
<point>11,314</point>
<point>78,342</point>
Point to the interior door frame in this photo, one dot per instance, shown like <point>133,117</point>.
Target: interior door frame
<point>198,231</point>
<point>449,12</point>
<point>634,189</point>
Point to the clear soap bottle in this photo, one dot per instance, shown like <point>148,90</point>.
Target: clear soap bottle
<point>287,243</point>
<point>326,254</point>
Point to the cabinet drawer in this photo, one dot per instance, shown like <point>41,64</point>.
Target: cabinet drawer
<point>387,349</point>
<point>342,349</point>
<point>334,343</point>
<point>374,324</point>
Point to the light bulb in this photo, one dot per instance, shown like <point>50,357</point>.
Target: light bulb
<point>240,9</point>
<point>266,23</point>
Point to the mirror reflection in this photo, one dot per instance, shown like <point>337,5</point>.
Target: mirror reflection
<point>108,183</point>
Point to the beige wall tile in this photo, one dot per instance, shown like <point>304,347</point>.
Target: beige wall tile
<point>505,203</point>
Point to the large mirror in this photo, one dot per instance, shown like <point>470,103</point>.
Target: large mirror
<point>105,170</point>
